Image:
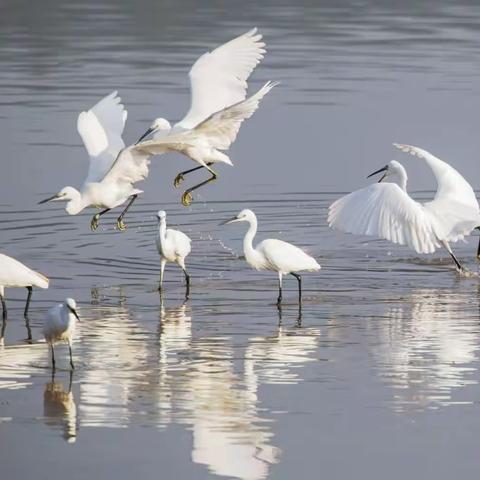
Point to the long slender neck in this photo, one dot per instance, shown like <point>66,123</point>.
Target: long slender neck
<point>162,230</point>
<point>402,178</point>
<point>248,249</point>
<point>76,203</point>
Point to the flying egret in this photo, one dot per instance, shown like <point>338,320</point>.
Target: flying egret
<point>273,254</point>
<point>59,325</point>
<point>16,274</point>
<point>113,168</point>
<point>386,210</point>
<point>173,246</point>
<point>218,84</point>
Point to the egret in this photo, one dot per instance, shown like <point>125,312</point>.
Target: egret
<point>386,210</point>
<point>16,274</point>
<point>173,246</point>
<point>59,325</point>
<point>273,254</point>
<point>113,168</point>
<point>218,84</point>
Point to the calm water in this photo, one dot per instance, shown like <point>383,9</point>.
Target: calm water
<point>377,377</point>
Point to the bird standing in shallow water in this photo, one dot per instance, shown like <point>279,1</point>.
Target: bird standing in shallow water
<point>273,254</point>
<point>173,246</point>
<point>218,84</point>
<point>113,168</point>
<point>59,325</point>
<point>386,210</point>
<point>16,274</point>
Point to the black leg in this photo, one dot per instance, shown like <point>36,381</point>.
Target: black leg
<point>71,359</point>
<point>299,278</point>
<point>53,357</point>
<point>187,196</point>
<point>187,279</point>
<point>120,224</point>
<point>4,309</point>
<point>70,381</point>
<point>180,177</point>
<point>279,299</point>
<point>478,248</point>
<point>96,218</point>
<point>27,305</point>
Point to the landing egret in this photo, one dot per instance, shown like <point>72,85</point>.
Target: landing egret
<point>218,84</point>
<point>173,246</point>
<point>272,254</point>
<point>16,274</point>
<point>386,210</point>
<point>59,325</point>
<point>113,168</point>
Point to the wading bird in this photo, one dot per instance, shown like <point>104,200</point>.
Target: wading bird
<point>275,255</point>
<point>113,168</point>
<point>173,246</point>
<point>16,274</point>
<point>218,84</point>
<point>59,325</point>
<point>386,210</point>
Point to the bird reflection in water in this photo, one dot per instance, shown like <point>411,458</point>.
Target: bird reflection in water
<point>59,408</point>
<point>428,348</point>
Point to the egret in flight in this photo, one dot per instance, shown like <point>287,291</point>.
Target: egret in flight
<point>16,274</point>
<point>59,325</point>
<point>218,84</point>
<point>272,254</point>
<point>386,210</point>
<point>173,246</point>
<point>113,169</point>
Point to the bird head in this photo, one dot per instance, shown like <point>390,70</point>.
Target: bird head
<point>245,215</point>
<point>159,124</point>
<point>161,214</point>
<point>70,195</point>
<point>71,305</point>
<point>392,168</point>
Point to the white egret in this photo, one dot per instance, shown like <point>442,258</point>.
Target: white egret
<point>173,246</point>
<point>386,210</point>
<point>59,325</point>
<point>16,274</point>
<point>113,169</point>
<point>218,84</point>
<point>273,254</point>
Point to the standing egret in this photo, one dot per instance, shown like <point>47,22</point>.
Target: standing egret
<point>113,168</point>
<point>386,210</point>
<point>218,84</point>
<point>272,254</point>
<point>173,246</point>
<point>60,325</point>
<point>16,274</point>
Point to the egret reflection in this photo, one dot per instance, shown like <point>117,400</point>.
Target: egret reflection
<point>428,348</point>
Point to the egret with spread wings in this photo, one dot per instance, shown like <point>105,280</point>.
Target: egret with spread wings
<point>113,169</point>
<point>386,210</point>
<point>218,82</point>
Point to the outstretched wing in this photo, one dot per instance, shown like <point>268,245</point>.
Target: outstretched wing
<point>218,78</point>
<point>455,202</point>
<point>130,166</point>
<point>219,130</point>
<point>101,130</point>
<point>384,210</point>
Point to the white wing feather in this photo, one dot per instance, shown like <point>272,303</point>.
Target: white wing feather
<point>218,79</point>
<point>101,130</point>
<point>130,166</point>
<point>384,210</point>
<point>285,257</point>
<point>14,273</point>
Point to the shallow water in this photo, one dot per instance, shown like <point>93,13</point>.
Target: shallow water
<point>376,377</point>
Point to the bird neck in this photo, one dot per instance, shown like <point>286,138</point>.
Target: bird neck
<point>162,230</point>
<point>75,204</point>
<point>401,178</point>
<point>248,249</point>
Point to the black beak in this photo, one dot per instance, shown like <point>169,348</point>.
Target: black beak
<point>53,197</point>
<point>146,134</point>
<point>383,169</point>
<point>228,221</point>
<point>75,313</point>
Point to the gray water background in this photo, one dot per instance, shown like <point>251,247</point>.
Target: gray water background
<point>378,378</point>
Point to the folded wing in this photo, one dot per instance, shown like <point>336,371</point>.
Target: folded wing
<point>130,166</point>
<point>101,130</point>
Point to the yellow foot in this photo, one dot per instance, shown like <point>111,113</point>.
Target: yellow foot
<point>120,225</point>
<point>178,180</point>
<point>94,222</point>
<point>187,199</point>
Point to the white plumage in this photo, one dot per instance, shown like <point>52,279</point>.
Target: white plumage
<point>16,274</point>
<point>59,325</point>
<point>218,107</point>
<point>113,169</point>
<point>386,210</point>
<point>173,246</point>
<point>273,254</point>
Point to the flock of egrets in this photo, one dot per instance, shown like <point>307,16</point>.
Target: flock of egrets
<point>219,105</point>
